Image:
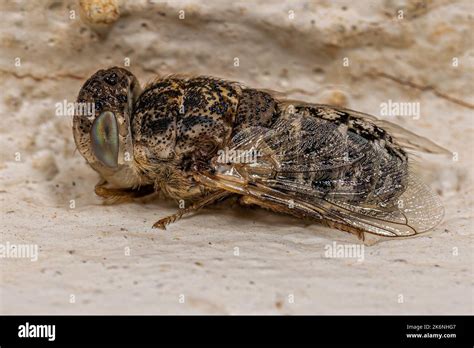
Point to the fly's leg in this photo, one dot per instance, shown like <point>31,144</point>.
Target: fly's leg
<point>358,232</point>
<point>280,202</point>
<point>300,213</point>
<point>275,207</point>
<point>117,195</point>
<point>209,199</point>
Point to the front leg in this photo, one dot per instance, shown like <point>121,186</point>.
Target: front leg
<point>120,195</point>
<point>209,199</point>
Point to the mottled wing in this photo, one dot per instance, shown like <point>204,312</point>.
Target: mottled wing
<point>326,169</point>
<point>416,211</point>
<point>404,137</point>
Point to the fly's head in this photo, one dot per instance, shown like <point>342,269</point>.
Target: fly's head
<point>104,137</point>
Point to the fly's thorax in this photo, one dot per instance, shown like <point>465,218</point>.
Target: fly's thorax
<point>104,138</point>
<point>183,120</point>
<point>256,109</point>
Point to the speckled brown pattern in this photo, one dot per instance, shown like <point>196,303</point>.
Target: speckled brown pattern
<point>334,159</point>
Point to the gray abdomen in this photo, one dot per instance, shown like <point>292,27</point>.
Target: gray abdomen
<point>326,153</point>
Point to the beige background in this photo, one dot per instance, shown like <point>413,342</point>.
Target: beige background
<point>82,250</point>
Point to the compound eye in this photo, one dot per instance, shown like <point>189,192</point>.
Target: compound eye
<point>105,139</point>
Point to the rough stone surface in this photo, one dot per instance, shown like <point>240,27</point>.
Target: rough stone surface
<point>47,52</point>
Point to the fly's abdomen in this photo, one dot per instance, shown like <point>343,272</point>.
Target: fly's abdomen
<point>377,167</point>
<point>326,152</point>
<point>346,158</point>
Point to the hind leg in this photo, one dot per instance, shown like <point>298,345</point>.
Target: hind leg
<point>299,213</point>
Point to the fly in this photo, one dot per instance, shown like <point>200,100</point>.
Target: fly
<point>202,140</point>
